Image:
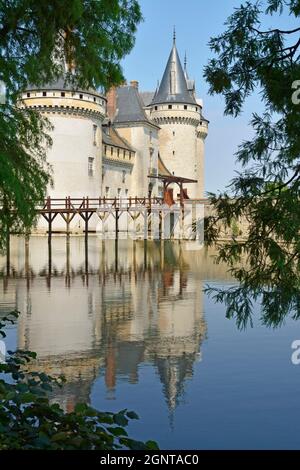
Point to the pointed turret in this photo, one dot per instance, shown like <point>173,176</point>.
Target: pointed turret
<point>173,86</point>
<point>175,109</point>
<point>190,83</point>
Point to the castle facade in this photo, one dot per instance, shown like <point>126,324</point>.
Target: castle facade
<point>123,143</point>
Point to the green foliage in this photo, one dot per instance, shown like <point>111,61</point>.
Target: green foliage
<point>29,421</point>
<point>36,38</point>
<point>266,193</point>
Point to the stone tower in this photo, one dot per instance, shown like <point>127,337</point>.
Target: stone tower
<point>75,155</point>
<point>183,129</point>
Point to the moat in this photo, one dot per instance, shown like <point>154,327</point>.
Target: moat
<point>129,326</point>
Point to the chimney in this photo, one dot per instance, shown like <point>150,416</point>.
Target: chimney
<point>134,84</point>
<point>111,102</point>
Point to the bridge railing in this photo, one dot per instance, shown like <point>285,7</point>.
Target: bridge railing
<point>87,203</point>
<point>72,204</point>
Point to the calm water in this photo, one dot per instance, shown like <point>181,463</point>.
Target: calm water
<point>133,329</point>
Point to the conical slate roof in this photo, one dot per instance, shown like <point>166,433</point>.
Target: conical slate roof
<point>173,86</point>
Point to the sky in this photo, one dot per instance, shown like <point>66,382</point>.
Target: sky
<point>195,22</point>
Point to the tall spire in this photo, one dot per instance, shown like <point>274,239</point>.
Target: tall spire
<point>173,86</point>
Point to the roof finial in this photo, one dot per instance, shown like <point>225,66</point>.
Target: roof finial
<point>174,34</point>
<point>185,61</point>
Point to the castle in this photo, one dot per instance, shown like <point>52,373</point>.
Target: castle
<point>123,144</point>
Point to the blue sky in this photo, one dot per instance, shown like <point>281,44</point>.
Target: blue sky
<point>196,21</point>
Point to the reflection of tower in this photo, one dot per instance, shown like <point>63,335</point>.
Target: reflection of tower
<point>156,317</point>
<point>62,328</point>
<point>180,330</point>
<point>173,371</point>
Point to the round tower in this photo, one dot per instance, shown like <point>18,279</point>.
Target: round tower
<point>183,129</point>
<point>75,155</point>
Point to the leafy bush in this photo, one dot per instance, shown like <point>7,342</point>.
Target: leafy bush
<point>29,421</point>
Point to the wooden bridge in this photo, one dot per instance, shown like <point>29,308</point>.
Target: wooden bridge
<point>86,207</point>
<point>67,208</point>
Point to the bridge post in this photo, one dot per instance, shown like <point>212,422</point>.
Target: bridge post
<point>117,224</point>
<point>49,219</point>
<point>160,215</point>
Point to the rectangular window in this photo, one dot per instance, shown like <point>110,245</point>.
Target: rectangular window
<point>44,93</point>
<point>105,149</point>
<point>155,107</point>
<point>185,106</point>
<point>94,100</point>
<point>111,150</point>
<point>124,153</point>
<point>173,133</point>
<point>169,106</point>
<point>80,96</point>
<point>106,191</point>
<point>123,176</point>
<point>28,95</point>
<point>95,134</point>
<point>118,152</point>
<point>62,94</point>
<point>119,192</point>
<point>126,192</point>
<point>91,166</point>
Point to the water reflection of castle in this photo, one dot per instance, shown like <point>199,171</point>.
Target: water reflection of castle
<point>148,310</point>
